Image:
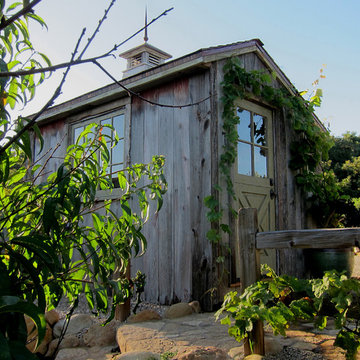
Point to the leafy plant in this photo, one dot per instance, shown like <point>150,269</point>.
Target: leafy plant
<point>56,237</point>
<point>282,300</point>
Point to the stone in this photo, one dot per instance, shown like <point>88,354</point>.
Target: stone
<point>99,335</point>
<point>52,317</point>
<point>236,353</point>
<point>273,345</point>
<point>33,334</point>
<point>195,305</point>
<point>178,310</point>
<point>69,341</point>
<point>42,349</point>
<point>72,354</point>
<point>145,315</point>
<point>254,357</point>
<point>135,337</point>
<point>203,353</point>
<point>138,355</point>
<point>94,353</point>
<point>77,323</point>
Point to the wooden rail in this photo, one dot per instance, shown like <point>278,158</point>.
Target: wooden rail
<point>250,241</point>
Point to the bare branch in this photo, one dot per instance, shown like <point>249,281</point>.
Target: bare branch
<point>57,92</point>
<point>22,12</point>
<point>130,92</point>
<point>78,61</point>
<point>96,30</point>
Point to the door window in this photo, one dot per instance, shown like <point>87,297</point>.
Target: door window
<point>252,144</point>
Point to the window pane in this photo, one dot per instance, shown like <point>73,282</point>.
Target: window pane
<point>260,160</point>
<point>244,159</point>
<point>77,132</point>
<point>244,130</point>
<point>259,130</point>
<point>119,125</point>
<point>115,169</point>
<point>105,130</point>
<point>118,153</point>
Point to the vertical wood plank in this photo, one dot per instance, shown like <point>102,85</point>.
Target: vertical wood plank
<point>250,269</point>
<point>200,167</point>
<point>181,211</point>
<point>165,219</point>
<point>137,156</point>
<point>151,232</point>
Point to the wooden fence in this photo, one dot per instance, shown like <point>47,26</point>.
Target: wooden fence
<point>250,242</point>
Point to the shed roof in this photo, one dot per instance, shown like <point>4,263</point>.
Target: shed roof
<point>163,72</point>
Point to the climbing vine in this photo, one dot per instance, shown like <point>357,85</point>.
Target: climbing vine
<point>309,147</point>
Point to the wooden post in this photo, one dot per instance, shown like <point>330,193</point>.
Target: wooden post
<point>250,269</point>
<point>122,311</point>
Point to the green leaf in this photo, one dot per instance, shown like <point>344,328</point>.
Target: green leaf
<point>14,304</point>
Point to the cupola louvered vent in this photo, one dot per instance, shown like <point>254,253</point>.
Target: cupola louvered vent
<point>136,60</point>
<point>142,58</point>
<point>154,60</point>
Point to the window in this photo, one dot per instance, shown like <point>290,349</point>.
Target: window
<point>252,144</point>
<point>116,120</point>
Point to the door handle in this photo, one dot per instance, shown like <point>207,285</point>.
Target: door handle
<point>272,194</point>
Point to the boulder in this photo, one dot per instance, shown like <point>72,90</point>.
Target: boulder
<point>138,355</point>
<point>273,344</point>
<point>69,341</point>
<point>134,337</point>
<point>145,315</point>
<point>99,335</point>
<point>72,354</point>
<point>178,310</point>
<point>203,353</point>
<point>77,323</point>
<point>254,357</point>
<point>195,305</point>
<point>52,317</point>
<point>33,334</point>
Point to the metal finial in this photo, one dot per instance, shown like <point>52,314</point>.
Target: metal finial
<point>146,33</point>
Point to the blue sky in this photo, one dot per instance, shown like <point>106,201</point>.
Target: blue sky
<point>301,36</point>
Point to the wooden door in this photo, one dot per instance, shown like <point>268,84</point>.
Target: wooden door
<point>254,170</point>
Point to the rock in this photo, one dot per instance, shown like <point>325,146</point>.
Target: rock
<point>94,353</point>
<point>69,341</point>
<point>33,334</point>
<point>254,357</point>
<point>236,353</point>
<point>99,335</point>
<point>42,349</point>
<point>145,315</point>
<point>178,310</point>
<point>77,323</point>
<point>72,354</point>
<point>138,355</point>
<point>134,337</point>
<point>273,345</point>
<point>203,353</point>
<point>195,305</point>
<point>52,317</point>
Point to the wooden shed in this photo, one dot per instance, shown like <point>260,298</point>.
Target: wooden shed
<point>180,262</point>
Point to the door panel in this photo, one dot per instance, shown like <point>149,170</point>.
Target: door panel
<point>254,173</point>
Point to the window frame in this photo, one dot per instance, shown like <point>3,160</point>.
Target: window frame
<point>96,117</point>
<point>267,113</point>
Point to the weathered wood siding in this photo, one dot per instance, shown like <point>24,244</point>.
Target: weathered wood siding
<point>178,258</point>
<point>54,148</point>
<point>289,201</point>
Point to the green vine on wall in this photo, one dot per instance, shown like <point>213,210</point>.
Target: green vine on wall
<point>309,147</point>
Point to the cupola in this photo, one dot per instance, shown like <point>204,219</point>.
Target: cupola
<point>143,57</point>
